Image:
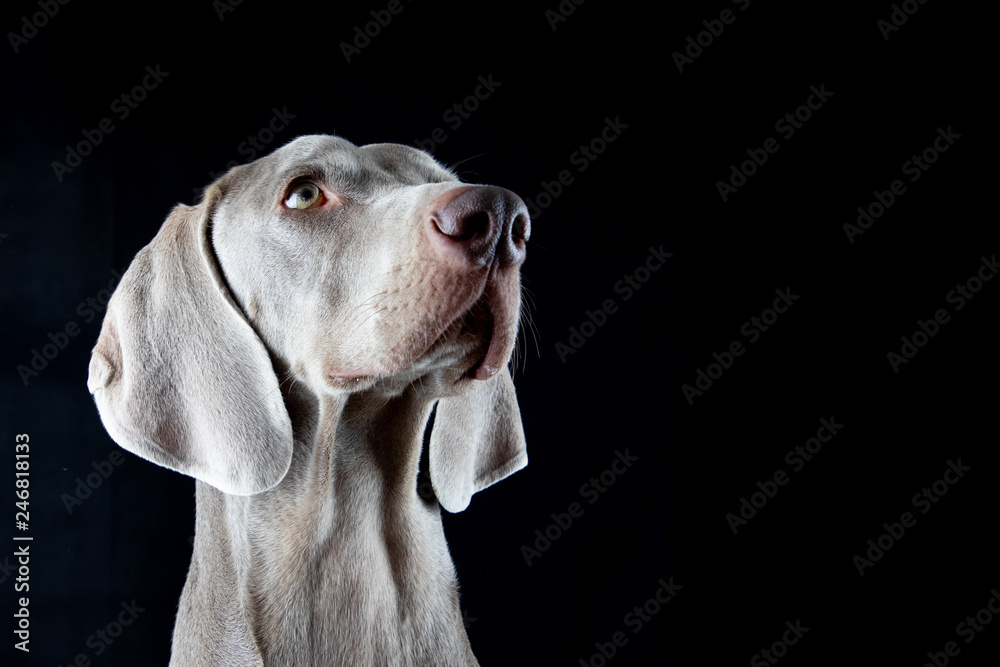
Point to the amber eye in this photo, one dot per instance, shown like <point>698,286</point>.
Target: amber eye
<point>303,195</point>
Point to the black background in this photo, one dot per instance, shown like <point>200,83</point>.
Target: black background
<point>655,185</point>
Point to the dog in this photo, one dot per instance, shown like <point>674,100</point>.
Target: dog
<point>286,342</point>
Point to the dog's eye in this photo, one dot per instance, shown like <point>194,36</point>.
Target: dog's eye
<point>303,195</point>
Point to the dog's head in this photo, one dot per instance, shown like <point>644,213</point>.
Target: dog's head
<point>353,268</point>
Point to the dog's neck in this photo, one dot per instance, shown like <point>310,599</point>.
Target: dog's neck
<point>353,558</point>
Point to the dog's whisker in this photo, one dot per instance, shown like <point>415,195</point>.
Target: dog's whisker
<point>454,166</point>
<point>365,302</point>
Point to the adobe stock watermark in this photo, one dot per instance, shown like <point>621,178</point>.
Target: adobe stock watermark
<point>581,158</point>
<point>779,648</point>
<point>88,310</point>
<point>255,144</point>
<point>122,106</point>
<point>967,629</point>
<point>562,12</point>
<point>786,126</point>
<point>629,284</point>
<point>898,17</point>
<point>22,622</point>
<point>362,38</point>
<point>797,457</point>
<point>927,329</point>
<point>590,491</point>
<point>752,330</point>
<point>30,25</point>
<point>104,637</point>
<point>635,620</point>
<point>713,29</point>
<point>223,7</point>
<point>923,501</point>
<point>914,168</point>
<point>459,112</point>
<point>85,487</point>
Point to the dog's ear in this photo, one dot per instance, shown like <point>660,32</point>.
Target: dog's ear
<point>179,376</point>
<point>477,440</point>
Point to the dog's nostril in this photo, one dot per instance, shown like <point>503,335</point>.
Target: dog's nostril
<point>464,227</point>
<point>474,225</point>
<point>520,230</point>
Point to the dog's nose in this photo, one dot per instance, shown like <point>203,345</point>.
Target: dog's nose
<point>480,223</point>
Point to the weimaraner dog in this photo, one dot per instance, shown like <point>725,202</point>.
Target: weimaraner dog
<point>285,342</point>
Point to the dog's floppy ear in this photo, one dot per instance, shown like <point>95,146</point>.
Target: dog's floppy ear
<point>477,440</point>
<point>179,376</point>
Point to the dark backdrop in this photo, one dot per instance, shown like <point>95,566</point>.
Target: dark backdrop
<point>111,530</point>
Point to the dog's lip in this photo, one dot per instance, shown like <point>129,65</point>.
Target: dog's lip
<point>476,321</point>
<point>340,376</point>
<point>479,329</point>
<point>348,379</point>
<point>482,323</point>
<point>494,318</point>
<point>490,364</point>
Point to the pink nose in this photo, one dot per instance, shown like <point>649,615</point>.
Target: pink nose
<point>479,224</point>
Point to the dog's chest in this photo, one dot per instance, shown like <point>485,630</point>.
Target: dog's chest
<point>368,594</point>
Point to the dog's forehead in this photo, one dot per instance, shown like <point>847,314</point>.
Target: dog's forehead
<point>341,162</point>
